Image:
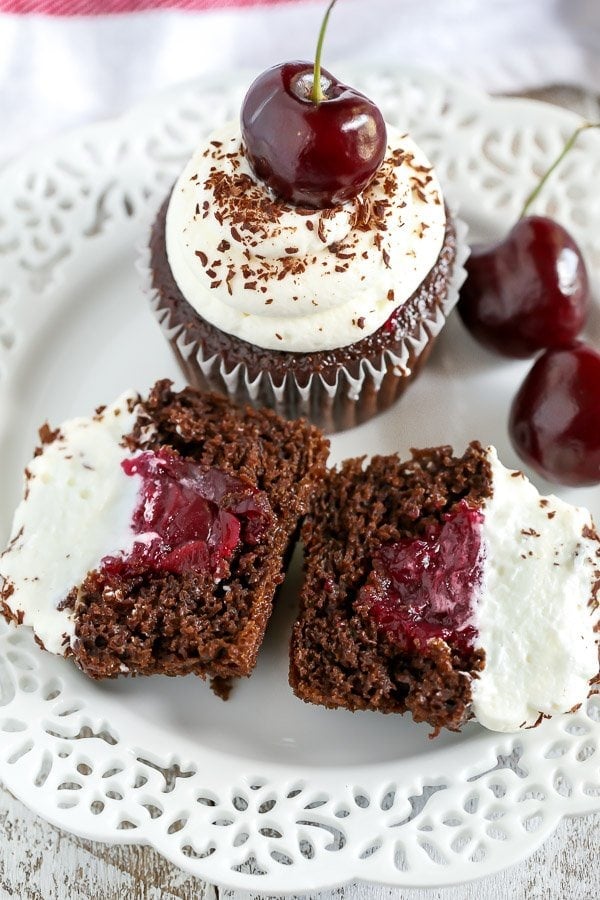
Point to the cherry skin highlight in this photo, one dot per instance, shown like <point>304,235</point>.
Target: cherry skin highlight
<point>423,588</point>
<point>188,518</point>
<point>527,292</point>
<point>554,420</point>
<point>311,154</point>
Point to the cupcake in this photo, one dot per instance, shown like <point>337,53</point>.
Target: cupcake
<point>316,303</point>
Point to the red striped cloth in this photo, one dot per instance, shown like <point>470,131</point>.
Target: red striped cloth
<point>110,7</point>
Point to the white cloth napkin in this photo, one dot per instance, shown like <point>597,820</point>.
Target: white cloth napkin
<point>56,73</point>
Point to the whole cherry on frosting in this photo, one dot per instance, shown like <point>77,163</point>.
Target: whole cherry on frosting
<point>555,418</point>
<point>529,291</point>
<point>314,141</point>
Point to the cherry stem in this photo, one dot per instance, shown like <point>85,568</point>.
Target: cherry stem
<point>317,95</point>
<point>568,146</point>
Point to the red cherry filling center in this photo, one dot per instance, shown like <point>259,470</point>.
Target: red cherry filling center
<point>424,588</point>
<point>188,517</point>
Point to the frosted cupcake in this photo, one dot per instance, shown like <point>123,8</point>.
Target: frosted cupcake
<point>306,259</point>
<point>328,314</point>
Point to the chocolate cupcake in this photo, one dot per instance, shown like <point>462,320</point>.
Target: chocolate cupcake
<point>324,313</point>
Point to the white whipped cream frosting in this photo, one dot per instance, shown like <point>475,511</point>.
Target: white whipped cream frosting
<point>533,615</point>
<point>78,508</point>
<point>301,280</point>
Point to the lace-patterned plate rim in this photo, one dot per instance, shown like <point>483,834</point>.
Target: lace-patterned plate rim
<point>94,761</point>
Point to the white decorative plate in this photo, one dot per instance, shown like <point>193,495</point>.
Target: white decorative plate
<point>264,792</point>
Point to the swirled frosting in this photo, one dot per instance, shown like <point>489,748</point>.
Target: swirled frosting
<point>301,280</point>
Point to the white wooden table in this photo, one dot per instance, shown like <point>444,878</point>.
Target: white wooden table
<point>39,862</point>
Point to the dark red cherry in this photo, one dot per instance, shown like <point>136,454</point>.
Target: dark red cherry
<point>311,154</point>
<point>555,417</point>
<point>527,292</point>
<point>192,518</point>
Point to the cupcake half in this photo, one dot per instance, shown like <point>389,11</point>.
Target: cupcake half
<point>152,536</point>
<point>446,587</point>
<point>328,313</point>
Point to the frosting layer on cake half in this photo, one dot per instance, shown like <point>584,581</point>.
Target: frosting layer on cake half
<point>301,280</point>
<point>77,508</point>
<point>535,611</point>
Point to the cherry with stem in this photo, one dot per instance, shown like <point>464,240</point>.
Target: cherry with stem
<point>312,140</point>
<point>530,290</point>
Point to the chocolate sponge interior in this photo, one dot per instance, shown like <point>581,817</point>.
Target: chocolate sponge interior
<point>340,657</point>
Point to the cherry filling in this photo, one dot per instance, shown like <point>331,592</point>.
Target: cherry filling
<point>424,588</point>
<point>188,517</point>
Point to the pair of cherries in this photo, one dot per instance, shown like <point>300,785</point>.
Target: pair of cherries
<point>527,293</point>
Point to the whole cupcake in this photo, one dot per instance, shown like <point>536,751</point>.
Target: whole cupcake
<point>305,261</point>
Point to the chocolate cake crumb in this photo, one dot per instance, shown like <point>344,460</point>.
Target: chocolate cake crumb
<point>222,687</point>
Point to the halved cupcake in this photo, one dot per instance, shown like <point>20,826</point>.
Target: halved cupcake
<point>153,535</point>
<point>447,587</point>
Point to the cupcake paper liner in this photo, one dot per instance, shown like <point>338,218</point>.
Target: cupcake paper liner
<point>355,394</point>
